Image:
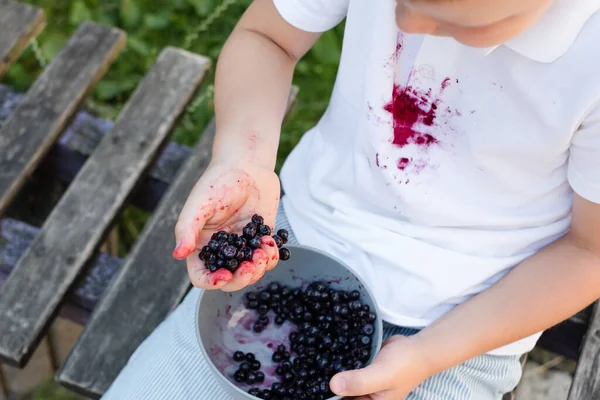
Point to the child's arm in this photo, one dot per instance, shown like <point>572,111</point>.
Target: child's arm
<point>539,293</point>
<point>253,79</point>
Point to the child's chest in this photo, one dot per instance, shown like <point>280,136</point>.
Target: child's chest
<point>438,120</point>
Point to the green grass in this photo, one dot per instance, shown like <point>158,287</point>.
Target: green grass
<point>200,26</point>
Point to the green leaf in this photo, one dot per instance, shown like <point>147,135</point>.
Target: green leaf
<point>138,46</point>
<point>53,44</point>
<point>327,50</point>
<point>18,77</point>
<point>130,13</point>
<point>79,13</point>
<point>108,89</point>
<point>203,7</point>
<point>157,21</point>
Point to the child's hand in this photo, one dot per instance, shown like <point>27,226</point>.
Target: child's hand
<point>225,198</point>
<point>397,369</point>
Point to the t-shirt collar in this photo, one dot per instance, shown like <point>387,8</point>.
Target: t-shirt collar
<point>552,36</point>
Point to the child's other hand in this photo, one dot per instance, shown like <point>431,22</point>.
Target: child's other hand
<point>398,368</point>
<point>225,198</point>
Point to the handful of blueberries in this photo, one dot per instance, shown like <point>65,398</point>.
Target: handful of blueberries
<point>229,250</point>
<point>334,334</point>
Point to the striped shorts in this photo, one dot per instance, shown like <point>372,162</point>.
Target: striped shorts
<point>168,365</point>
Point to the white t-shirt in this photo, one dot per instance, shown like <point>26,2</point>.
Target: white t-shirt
<point>438,167</point>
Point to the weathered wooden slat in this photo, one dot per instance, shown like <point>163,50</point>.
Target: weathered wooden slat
<point>16,237</point>
<point>30,297</point>
<point>19,25</point>
<point>78,142</point>
<point>35,125</point>
<point>149,285</point>
<point>586,382</point>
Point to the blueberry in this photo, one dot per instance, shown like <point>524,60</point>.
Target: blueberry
<point>366,308</point>
<point>213,245</point>
<point>324,386</point>
<point>249,231</point>
<point>254,392</point>
<point>284,234</point>
<point>232,265</point>
<point>371,317</point>
<point>278,240</point>
<point>212,258</point>
<point>239,242</point>
<point>363,355</point>
<point>251,378</point>
<point>357,364</point>
<point>266,394</point>
<point>341,309</point>
<point>255,242</point>
<point>368,329</point>
<point>228,252</point>
<point>344,327</point>
<point>258,327</point>
<point>245,366</point>
<point>263,309</point>
<point>288,377</point>
<point>264,230</point>
<point>257,219</point>
<point>255,365</point>
<point>222,235</point>
<point>251,296</point>
<point>279,320</point>
<point>260,377</point>
<point>279,371</point>
<point>293,336</point>
<point>264,296</point>
<point>286,365</point>
<point>244,254</point>
<point>365,340</point>
<point>213,267</point>
<point>278,389</point>
<point>354,295</point>
<point>276,357</point>
<point>238,356</point>
<point>274,287</point>
<point>336,297</point>
<point>252,304</point>
<point>322,362</point>
<point>263,319</point>
<point>232,238</point>
<point>284,254</point>
<point>220,263</point>
<point>240,376</point>
<point>355,305</point>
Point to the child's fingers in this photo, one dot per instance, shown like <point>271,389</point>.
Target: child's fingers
<point>260,259</point>
<point>242,277</point>
<point>202,278</point>
<point>191,220</point>
<point>270,248</point>
<point>249,272</point>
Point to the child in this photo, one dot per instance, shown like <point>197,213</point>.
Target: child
<point>456,170</point>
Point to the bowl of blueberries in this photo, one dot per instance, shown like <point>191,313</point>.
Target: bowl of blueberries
<point>286,336</point>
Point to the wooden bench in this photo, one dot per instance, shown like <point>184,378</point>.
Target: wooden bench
<point>50,264</point>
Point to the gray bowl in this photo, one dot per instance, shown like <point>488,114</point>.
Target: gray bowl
<point>224,324</point>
